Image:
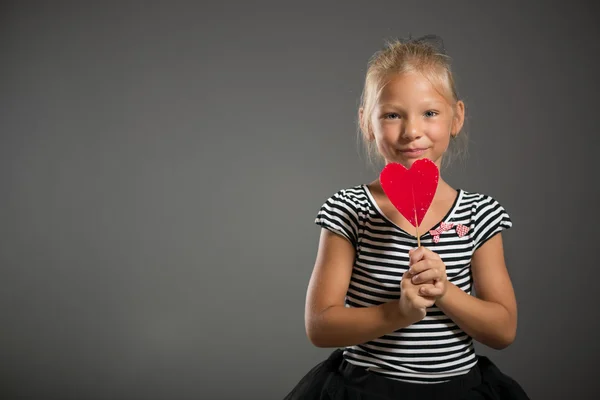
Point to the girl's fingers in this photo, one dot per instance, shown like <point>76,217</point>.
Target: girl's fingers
<point>429,290</point>
<point>425,276</point>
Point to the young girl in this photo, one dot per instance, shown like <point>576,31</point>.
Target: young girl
<point>403,318</point>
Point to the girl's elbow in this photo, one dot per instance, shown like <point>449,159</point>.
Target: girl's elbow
<point>511,331</point>
<point>501,344</point>
<point>312,336</point>
<point>504,340</point>
<point>316,329</point>
<point>508,334</point>
<point>313,333</point>
<point>317,342</point>
<point>510,337</point>
<point>317,339</point>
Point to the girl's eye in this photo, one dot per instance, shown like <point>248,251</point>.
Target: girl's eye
<point>431,113</point>
<point>391,116</point>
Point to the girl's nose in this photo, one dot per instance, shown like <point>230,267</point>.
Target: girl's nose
<point>411,130</point>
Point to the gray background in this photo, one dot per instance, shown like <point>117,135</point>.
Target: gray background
<point>161,164</point>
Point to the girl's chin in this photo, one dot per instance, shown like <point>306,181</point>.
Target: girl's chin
<point>407,162</point>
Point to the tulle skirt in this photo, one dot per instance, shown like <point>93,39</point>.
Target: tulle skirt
<point>336,379</point>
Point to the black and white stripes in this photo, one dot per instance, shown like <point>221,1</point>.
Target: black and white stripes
<point>434,349</point>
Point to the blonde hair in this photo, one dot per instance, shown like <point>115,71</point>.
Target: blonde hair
<point>421,55</point>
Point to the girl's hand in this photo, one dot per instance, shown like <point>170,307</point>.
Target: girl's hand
<point>427,267</point>
<point>413,304</point>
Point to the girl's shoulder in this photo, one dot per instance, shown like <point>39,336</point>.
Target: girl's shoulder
<point>343,211</point>
<point>479,201</point>
<point>485,214</point>
<point>355,197</point>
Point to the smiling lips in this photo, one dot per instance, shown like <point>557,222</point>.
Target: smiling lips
<point>413,152</point>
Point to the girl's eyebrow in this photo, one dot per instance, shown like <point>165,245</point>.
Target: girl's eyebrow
<point>425,102</point>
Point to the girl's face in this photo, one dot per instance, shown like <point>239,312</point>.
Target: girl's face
<point>411,120</point>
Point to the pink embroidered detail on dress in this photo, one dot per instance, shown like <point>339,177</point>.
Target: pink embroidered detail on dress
<point>461,230</point>
<point>444,226</point>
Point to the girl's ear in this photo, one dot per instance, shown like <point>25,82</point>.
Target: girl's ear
<point>459,118</point>
<point>367,133</point>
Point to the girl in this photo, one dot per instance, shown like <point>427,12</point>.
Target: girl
<point>403,318</point>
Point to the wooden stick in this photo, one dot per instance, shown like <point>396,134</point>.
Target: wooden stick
<point>416,220</point>
<point>417,229</point>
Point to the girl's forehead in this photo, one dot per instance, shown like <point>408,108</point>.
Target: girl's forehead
<point>407,83</point>
<point>410,87</point>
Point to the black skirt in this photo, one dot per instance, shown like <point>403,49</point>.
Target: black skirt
<point>336,379</point>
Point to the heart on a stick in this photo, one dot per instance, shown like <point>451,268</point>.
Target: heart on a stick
<point>411,190</point>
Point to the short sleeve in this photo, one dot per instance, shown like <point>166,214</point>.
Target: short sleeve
<point>490,218</point>
<point>339,215</point>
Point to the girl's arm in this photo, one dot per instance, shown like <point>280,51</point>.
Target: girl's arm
<point>491,317</point>
<point>328,322</point>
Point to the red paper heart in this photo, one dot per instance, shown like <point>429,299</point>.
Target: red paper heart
<point>411,190</point>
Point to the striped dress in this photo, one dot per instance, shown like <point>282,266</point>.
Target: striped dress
<point>435,348</point>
